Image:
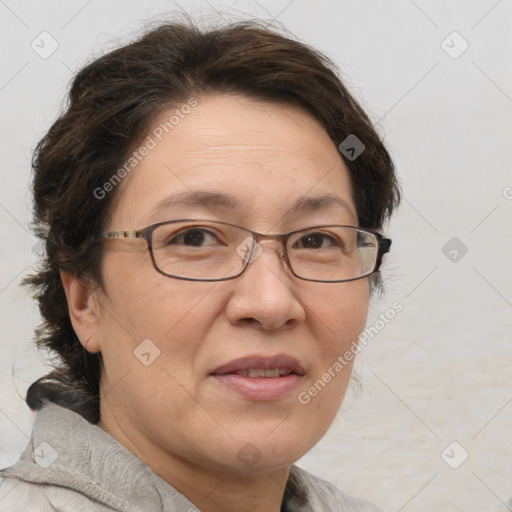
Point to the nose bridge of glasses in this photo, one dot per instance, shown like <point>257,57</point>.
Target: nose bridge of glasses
<point>275,240</point>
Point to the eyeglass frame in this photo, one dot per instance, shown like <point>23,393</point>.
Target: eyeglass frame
<point>384,245</point>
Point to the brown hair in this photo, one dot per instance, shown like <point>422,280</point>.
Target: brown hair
<point>112,103</point>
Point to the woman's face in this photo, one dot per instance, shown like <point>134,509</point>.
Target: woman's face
<point>248,163</point>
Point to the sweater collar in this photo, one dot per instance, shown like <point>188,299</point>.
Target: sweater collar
<point>68,451</point>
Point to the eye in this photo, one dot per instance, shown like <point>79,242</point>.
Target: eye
<point>193,237</point>
<point>316,240</point>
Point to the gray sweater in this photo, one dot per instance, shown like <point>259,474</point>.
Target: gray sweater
<point>71,465</point>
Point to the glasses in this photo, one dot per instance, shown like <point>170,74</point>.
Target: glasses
<point>206,250</point>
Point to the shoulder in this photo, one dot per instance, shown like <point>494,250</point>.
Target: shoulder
<point>325,497</point>
<point>19,496</point>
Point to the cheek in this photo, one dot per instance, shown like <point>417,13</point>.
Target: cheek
<point>152,333</point>
<point>338,323</point>
<point>173,315</point>
<point>341,315</point>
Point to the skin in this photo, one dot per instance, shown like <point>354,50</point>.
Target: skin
<point>171,413</point>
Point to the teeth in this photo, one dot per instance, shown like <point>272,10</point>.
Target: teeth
<point>261,372</point>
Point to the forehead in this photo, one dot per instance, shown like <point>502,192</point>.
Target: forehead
<point>266,156</point>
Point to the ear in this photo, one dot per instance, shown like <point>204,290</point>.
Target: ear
<point>84,310</point>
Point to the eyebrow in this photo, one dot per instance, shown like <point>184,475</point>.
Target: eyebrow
<point>310,204</point>
<point>208,199</point>
<point>203,198</point>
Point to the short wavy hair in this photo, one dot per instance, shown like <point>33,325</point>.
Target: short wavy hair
<point>112,104</point>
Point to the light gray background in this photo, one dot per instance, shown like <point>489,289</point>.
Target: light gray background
<point>440,371</point>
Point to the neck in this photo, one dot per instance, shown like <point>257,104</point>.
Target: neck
<point>209,489</point>
<point>230,492</point>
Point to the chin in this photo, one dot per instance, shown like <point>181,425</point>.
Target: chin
<point>271,451</point>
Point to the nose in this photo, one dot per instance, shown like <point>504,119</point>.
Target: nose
<point>265,294</point>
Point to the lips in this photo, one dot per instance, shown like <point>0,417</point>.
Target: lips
<point>260,366</point>
<point>259,378</point>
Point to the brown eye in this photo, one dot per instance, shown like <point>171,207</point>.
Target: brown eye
<point>315,241</point>
<point>193,237</point>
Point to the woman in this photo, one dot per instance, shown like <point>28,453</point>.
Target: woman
<point>210,205</point>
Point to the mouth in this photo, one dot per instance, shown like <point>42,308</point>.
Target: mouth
<point>261,372</point>
<point>260,366</point>
<point>260,378</point>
